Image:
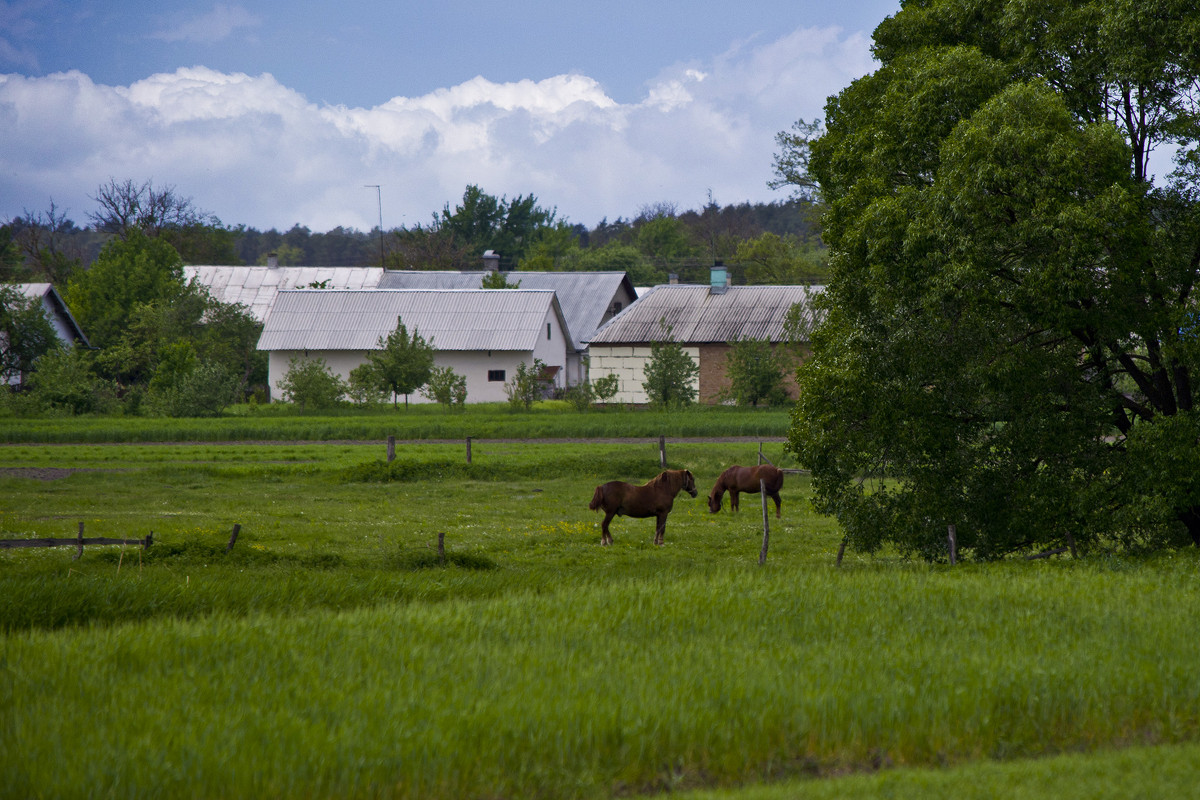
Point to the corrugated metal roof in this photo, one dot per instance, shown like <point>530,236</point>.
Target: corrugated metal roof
<point>696,315</point>
<point>255,287</point>
<point>463,319</point>
<point>585,297</point>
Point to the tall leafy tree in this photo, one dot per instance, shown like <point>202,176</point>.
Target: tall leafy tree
<point>755,369</point>
<point>1009,343</point>
<point>129,272</point>
<point>670,373</point>
<point>403,362</point>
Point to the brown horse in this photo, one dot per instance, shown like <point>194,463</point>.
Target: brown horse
<point>746,479</point>
<point>652,499</point>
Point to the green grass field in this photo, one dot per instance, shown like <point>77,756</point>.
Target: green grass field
<point>331,653</point>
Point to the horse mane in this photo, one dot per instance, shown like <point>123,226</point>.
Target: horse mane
<point>671,478</point>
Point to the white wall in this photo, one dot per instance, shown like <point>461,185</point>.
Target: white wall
<point>629,365</point>
<point>473,364</point>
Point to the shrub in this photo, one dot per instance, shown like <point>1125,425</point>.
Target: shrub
<point>755,370</point>
<point>446,386</point>
<point>66,381</point>
<point>311,385</point>
<point>527,385</point>
<point>366,385</point>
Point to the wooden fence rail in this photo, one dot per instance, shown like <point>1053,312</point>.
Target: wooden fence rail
<point>79,541</point>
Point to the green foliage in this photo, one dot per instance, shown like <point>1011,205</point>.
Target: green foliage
<point>311,385</point>
<point>527,385</point>
<point>185,386</point>
<point>129,273</point>
<point>497,280</point>
<point>605,388</point>
<point>552,248</point>
<point>26,334</point>
<point>756,370</point>
<point>365,385</point>
<point>12,268</point>
<point>780,260</point>
<point>999,333</point>
<point>670,374</point>
<point>402,363</point>
<point>446,386</point>
<point>66,380</point>
<point>665,239</point>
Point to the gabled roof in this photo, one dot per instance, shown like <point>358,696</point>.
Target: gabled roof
<point>255,287</point>
<point>585,297</point>
<point>53,300</point>
<point>462,319</point>
<point>697,315</point>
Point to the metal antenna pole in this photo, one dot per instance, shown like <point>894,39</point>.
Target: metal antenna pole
<point>379,197</point>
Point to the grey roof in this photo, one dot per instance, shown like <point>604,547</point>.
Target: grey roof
<point>697,315</point>
<point>255,287</point>
<point>465,319</point>
<point>50,296</point>
<point>585,297</point>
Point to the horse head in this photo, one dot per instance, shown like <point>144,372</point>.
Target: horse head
<point>715,497</point>
<point>689,483</point>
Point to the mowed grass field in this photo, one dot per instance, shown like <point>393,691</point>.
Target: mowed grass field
<point>332,653</point>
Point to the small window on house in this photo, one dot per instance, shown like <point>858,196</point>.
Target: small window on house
<point>496,375</point>
<point>547,331</point>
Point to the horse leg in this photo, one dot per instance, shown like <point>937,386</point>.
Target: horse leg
<point>778,503</point>
<point>660,529</point>
<point>605,536</point>
<point>733,499</point>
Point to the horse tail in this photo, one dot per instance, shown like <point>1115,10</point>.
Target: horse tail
<point>597,498</point>
<point>776,482</point>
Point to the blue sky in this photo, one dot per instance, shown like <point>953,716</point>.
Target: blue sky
<point>276,113</point>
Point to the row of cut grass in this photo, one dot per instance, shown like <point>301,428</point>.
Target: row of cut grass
<point>485,420</point>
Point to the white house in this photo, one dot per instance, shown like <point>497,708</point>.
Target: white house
<point>587,299</point>
<point>705,320</point>
<point>61,319</point>
<point>482,334</point>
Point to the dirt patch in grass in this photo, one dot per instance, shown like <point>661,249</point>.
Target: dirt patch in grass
<point>41,473</point>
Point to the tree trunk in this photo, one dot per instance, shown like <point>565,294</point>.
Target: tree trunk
<point>1191,520</point>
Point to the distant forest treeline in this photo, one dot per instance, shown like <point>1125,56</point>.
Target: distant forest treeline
<point>775,242</point>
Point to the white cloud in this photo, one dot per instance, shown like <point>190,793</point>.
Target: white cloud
<point>214,26</point>
<point>254,151</point>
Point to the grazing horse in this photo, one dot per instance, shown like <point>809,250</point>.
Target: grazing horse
<point>652,499</point>
<point>745,479</point>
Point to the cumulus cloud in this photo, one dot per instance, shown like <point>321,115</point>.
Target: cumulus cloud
<point>255,151</point>
<point>214,26</point>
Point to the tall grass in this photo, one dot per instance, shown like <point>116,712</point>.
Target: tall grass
<point>660,683</point>
<point>487,421</point>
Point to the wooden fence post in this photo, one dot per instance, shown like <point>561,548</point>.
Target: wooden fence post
<point>762,557</point>
<point>841,551</point>
<point>79,553</point>
<point>236,529</point>
<point>391,449</point>
<point>952,538</point>
<point>468,449</point>
<point>442,547</point>
<point>662,452</point>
